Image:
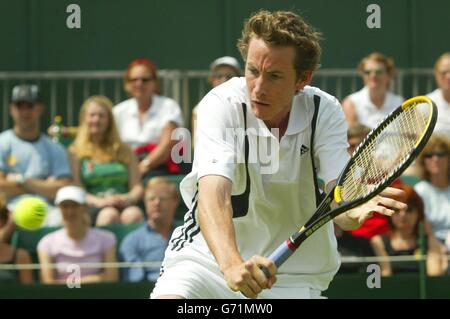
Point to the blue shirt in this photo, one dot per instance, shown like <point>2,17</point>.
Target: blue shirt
<point>40,158</point>
<point>143,244</point>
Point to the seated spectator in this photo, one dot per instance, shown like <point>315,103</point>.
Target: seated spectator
<point>352,246</point>
<point>434,165</point>
<point>441,96</point>
<point>30,162</point>
<point>403,240</point>
<point>105,166</point>
<point>149,242</point>
<point>10,255</point>
<point>378,223</point>
<point>373,102</point>
<point>76,243</point>
<point>146,120</point>
<point>221,70</point>
<point>355,135</point>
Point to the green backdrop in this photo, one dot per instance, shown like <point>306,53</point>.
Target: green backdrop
<point>189,34</point>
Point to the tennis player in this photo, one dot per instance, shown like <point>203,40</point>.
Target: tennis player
<point>246,194</point>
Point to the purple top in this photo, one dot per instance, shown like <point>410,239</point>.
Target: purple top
<point>64,250</point>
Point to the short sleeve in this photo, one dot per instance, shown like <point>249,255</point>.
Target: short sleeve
<point>172,112</point>
<point>45,244</point>
<point>107,238</point>
<point>215,150</point>
<point>331,140</point>
<point>3,152</point>
<point>60,161</point>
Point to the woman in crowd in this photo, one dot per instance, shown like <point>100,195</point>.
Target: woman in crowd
<point>374,101</point>
<point>434,170</point>
<point>76,243</point>
<point>105,166</point>
<point>404,240</point>
<point>147,120</point>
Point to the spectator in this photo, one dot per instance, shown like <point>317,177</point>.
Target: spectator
<point>30,162</point>
<point>372,103</point>
<point>434,165</point>
<point>221,70</point>
<point>149,242</point>
<point>403,240</point>
<point>76,243</point>
<point>146,120</point>
<point>105,166</point>
<point>10,255</point>
<point>441,96</point>
<point>378,223</point>
<point>352,246</point>
<point>356,134</point>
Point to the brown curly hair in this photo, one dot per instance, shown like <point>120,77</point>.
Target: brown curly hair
<point>284,28</point>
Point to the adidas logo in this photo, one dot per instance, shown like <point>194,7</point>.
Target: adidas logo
<point>303,149</point>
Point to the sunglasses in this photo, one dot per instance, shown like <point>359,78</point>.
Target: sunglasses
<point>143,79</point>
<point>376,71</point>
<point>438,154</point>
<point>225,76</point>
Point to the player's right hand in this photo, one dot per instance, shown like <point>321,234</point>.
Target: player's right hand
<point>248,278</point>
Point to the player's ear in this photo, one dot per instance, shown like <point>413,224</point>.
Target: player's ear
<point>304,79</point>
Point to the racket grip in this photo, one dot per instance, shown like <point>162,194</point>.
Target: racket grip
<point>279,256</point>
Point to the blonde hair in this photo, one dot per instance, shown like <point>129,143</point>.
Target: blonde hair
<point>111,147</point>
<point>437,141</point>
<point>284,28</point>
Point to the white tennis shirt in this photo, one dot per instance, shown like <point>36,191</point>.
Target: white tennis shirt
<point>282,194</point>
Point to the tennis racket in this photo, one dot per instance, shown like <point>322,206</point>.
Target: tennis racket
<point>380,158</point>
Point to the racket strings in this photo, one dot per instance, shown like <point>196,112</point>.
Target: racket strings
<point>387,150</point>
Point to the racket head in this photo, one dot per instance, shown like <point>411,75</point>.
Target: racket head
<point>387,151</point>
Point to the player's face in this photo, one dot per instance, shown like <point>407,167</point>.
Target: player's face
<point>375,75</point>
<point>96,119</point>
<point>442,74</point>
<point>271,81</point>
<point>140,82</point>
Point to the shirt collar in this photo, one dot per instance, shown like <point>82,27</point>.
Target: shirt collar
<point>297,119</point>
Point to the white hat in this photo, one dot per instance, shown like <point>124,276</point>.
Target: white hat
<point>73,193</point>
<point>226,60</point>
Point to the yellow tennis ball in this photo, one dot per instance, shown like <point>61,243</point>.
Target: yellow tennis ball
<point>29,213</point>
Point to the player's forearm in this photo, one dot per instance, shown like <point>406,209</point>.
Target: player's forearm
<point>216,224</point>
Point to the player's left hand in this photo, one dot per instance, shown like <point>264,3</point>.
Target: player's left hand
<point>384,203</point>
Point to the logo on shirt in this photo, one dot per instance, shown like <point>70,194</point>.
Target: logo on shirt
<point>303,149</point>
<point>11,160</point>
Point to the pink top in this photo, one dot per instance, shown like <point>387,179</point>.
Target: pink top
<point>64,250</point>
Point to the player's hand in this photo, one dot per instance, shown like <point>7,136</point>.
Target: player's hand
<point>248,278</point>
<point>384,203</point>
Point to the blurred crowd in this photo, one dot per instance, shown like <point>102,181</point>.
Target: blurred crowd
<point>112,199</point>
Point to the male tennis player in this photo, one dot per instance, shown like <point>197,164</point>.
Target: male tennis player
<point>247,195</point>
